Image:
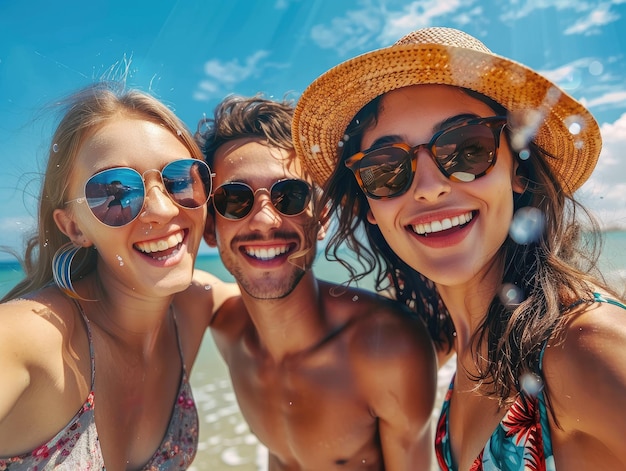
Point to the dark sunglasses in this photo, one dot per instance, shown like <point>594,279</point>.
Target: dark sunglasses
<point>463,153</point>
<point>235,200</point>
<point>116,196</point>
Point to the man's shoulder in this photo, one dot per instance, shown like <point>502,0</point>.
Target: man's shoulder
<point>375,325</point>
<point>362,302</point>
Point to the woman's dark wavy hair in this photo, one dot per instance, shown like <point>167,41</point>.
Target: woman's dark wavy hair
<point>554,273</point>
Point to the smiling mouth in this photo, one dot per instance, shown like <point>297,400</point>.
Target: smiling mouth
<point>267,253</point>
<point>162,248</point>
<point>424,229</point>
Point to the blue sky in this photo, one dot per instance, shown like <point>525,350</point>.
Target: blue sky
<point>191,54</point>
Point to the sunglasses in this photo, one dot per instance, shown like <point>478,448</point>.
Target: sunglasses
<point>463,153</point>
<point>235,200</point>
<point>116,196</point>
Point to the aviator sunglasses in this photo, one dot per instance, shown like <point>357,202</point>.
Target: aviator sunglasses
<point>116,196</point>
<point>235,200</point>
<point>463,153</point>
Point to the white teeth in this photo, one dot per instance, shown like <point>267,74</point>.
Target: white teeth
<point>444,224</point>
<point>266,253</point>
<point>161,245</point>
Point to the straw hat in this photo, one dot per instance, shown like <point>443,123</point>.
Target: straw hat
<point>561,125</point>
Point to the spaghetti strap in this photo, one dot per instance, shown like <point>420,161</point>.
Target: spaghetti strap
<point>601,299</point>
<point>178,342</point>
<point>90,339</point>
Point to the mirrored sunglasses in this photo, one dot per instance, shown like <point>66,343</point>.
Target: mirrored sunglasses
<point>462,153</point>
<point>116,196</point>
<point>235,200</point>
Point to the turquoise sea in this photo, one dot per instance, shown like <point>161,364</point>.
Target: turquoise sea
<point>225,440</point>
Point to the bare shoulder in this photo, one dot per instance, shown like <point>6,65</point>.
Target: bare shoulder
<point>594,332</point>
<point>392,358</point>
<point>33,334</point>
<point>37,321</point>
<point>585,368</point>
<point>382,331</point>
<point>205,295</point>
<point>203,281</point>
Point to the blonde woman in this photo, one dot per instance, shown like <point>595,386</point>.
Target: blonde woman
<point>95,357</point>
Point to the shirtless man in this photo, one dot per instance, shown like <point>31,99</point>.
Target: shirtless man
<point>327,377</point>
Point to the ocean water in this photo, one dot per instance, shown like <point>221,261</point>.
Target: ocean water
<point>225,439</point>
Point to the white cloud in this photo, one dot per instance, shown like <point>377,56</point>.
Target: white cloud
<point>604,191</point>
<point>568,76</point>
<point>281,4</point>
<point>351,32</point>
<point>519,9</point>
<point>614,99</point>
<point>358,28</point>
<point>599,16</point>
<point>417,14</point>
<point>574,78</point>
<point>596,14</point>
<point>222,77</point>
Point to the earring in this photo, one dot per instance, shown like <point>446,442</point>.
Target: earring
<point>62,269</point>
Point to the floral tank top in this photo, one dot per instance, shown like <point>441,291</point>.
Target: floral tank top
<point>77,446</point>
<point>520,442</point>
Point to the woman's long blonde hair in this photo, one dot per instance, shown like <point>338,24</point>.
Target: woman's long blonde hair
<point>83,113</point>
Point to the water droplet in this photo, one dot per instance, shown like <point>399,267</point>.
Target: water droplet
<point>527,225</point>
<point>575,128</point>
<point>340,144</point>
<point>207,287</point>
<point>510,295</point>
<point>179,132</point>
<point>524,127</point>
<point>574,124</point>
<point>596,68</point>
<point>552,96</point>
<point>346,137</point>
<point>55,147</point>
<point>119,258</point>
<point>355,298</point>
<point>524,154</point>
<point>363,461</point>
<point>531,384</point>
<point>291,403</point>
<point>315,149</point>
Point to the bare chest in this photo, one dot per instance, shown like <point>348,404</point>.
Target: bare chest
<point>309,414</point>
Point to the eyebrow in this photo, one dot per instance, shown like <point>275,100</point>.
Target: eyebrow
<point>440,126</point>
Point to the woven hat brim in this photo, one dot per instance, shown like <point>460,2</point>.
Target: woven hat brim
<point>329,104</point>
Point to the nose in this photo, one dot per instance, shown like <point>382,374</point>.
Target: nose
<point>264,216</point>
<point>158,207</point>
<point>429,183</point>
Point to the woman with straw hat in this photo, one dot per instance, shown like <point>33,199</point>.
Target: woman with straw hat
<point>460,166</point>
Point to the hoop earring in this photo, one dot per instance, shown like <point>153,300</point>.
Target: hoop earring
<point>62,269</point>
